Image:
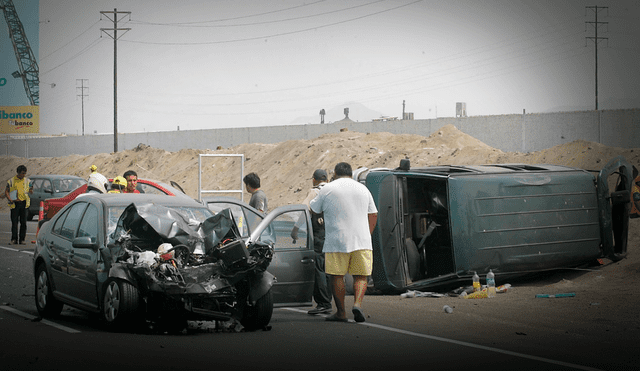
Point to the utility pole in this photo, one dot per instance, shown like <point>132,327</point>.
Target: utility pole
<point>596,39</point>
<point>115,18</point>
<point>82,94</point>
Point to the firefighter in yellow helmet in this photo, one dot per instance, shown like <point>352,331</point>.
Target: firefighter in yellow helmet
<point>97,182</point>
<point>118,185</point>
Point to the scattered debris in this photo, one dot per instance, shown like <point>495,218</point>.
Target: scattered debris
<point>564,295</point>
<point>475,295</point>
<point>469,293</point>
<point>415,294</point>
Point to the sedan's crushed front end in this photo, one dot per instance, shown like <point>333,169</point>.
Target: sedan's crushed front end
<point>187,270</point>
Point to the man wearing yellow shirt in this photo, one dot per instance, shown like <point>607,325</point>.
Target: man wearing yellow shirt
<point>17,193</point>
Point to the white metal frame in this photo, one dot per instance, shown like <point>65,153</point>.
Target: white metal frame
<point>201,191</point>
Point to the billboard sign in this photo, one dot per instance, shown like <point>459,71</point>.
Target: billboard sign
<point>20,120</point>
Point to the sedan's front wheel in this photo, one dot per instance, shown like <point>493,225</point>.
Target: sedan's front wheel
<point>259,315</point>
<point>120,303</point>
<point>47,305</point>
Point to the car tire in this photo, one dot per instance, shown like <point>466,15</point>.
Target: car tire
<point>120,303</point>
<point>30,216</point>
<point>47,305</point>
<point>259,315</point>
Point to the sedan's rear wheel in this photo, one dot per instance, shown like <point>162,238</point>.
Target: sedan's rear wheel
<point>120,303</point>
<point>47,305</point>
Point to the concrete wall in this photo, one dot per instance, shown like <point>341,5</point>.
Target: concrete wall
<point>510,133</point>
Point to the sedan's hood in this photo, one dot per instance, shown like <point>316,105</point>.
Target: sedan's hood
<point>159,224</point>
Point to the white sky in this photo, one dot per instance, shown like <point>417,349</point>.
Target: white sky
<point>229,63</point>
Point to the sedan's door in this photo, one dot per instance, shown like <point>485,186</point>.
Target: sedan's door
<point>59,242</point>
<point>293,263</point>
<point>84,257</point>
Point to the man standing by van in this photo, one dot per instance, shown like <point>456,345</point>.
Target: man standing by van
<point>321,293</point>
<point>350,215</point>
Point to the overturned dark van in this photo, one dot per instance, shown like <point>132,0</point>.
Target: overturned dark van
<point>437,225</point>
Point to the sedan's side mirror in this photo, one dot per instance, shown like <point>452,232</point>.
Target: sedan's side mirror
<point>84,243</point>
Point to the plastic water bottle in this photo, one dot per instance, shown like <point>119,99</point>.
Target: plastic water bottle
<point>476,282</point>
<point>491,284</point>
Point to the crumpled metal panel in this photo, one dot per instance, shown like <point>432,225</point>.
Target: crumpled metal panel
<point>218,228</point>
<point>159,224</point>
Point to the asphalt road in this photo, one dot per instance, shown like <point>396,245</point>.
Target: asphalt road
<point>412,334</point>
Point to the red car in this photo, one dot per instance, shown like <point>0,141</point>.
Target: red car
<point>53,205</point>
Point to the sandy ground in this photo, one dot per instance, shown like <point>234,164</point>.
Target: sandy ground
<point>605,295</point>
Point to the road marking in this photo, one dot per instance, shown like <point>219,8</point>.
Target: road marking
<point>46,322</point>
<point>9,248</point>
<point>17,250</point>
<point>470,345</point>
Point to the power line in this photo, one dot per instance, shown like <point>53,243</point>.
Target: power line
<point>191,24</point>
<point>230,19</point>
<point>277,34</point>
<point>70,41</point>
<point>84,50</point>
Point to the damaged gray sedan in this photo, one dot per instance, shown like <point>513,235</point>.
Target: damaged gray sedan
<point>155,259</point>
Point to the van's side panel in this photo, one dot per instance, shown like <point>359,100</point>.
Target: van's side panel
<point>521,221</point>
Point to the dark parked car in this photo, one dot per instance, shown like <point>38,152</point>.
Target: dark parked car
<point>163,259</point>
<point>438,225</point>
<point>293,261</point>
<point>51,186</point>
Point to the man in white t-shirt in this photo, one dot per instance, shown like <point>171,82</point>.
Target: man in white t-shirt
<point>350,215</point>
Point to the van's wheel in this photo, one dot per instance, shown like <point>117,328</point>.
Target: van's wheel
<point>620,225</point>
<point>47,305</point>
<point>614,207</point>
<point>259,315</point>
<point>30,216</point>
<point>120,303</point>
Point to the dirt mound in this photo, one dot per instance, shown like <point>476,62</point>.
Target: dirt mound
<point>285,168</point>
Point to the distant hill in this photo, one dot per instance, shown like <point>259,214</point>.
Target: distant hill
<point>357,112</point>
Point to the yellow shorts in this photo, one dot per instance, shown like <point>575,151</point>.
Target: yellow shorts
<point>357,263</point>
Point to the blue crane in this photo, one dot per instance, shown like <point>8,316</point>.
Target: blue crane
<point>27,63</point>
